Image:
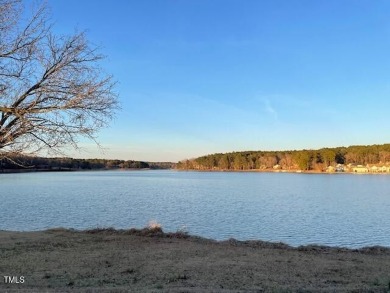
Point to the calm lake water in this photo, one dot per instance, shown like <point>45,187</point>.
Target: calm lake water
<point>338,210</point>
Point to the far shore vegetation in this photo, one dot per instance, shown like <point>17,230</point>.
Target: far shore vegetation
<point>356,159</point>
<point>353,159</point>
<point>20,163</point>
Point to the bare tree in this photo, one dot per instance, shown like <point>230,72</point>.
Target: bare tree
<point>52,90</point>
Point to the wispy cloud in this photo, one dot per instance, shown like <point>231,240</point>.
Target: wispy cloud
<point>270,109</point>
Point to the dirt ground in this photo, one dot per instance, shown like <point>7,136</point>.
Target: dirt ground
<point>149,260</point>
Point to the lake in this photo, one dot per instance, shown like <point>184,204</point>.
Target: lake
<point>329,209</point>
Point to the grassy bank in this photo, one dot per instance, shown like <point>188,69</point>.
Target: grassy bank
<point>150,260</point>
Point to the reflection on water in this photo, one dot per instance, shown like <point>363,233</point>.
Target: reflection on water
<point>338,210</point>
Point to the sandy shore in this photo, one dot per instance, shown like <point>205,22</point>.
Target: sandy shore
<point>152,261</point>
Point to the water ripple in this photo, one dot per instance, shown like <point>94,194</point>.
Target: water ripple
<point>297,209</point>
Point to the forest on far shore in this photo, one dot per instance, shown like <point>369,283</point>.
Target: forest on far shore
<point>307,160</point>
<point>25,163</point>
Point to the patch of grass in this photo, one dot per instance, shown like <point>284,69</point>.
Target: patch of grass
<point>382,283</point>
<point>109,230</point>
<point>177,278</point>
<point>178,234</point>
<point>128,271</point>
<point>60,229</point>
<point>149,231</point>
<point>375,250</point>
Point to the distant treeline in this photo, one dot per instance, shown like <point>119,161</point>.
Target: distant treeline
<point>41,163</point>
<point>317,160</point>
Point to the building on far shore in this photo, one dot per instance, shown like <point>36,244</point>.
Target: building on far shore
<point>360,169</point>
<point>379,168</point>
<point>337,168</point>
<point>330,169</point>
<point>340,168</point>
<point>370,168</point>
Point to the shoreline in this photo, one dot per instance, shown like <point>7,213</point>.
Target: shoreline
<point>150,260</point>
<point>17,171</point>
<point>159,233</point>
<point>283,172</point>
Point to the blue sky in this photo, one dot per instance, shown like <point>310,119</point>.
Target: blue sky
<point>204,76</point>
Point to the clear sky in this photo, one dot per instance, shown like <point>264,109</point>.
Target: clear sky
<point>203,76</point>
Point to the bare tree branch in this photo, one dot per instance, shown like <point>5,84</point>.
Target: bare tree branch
<point>52,90</point>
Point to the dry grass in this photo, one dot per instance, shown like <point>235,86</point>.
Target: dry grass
<point>149,260</point>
